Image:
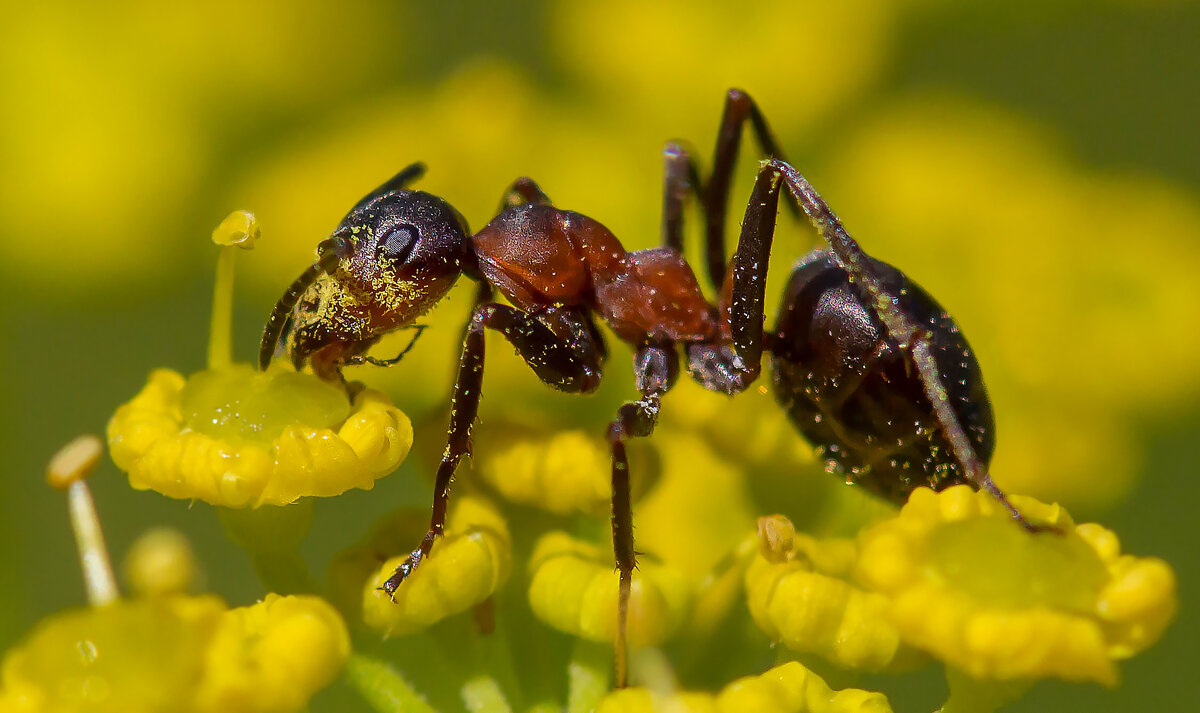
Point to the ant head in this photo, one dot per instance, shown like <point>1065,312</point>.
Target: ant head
<point>398,251</point>
<point>393,256</point>
<point>399,235</point>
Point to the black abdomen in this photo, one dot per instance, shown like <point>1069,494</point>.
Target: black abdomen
<point>854,393</point>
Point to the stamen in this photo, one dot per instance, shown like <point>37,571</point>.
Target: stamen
<point>68,470</point>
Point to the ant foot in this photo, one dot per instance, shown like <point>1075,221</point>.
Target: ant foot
<point>407,567</point>
<point>1035,528</point>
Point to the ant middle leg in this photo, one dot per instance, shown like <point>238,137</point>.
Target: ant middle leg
<point>656,367</point>
<point>565,364</point>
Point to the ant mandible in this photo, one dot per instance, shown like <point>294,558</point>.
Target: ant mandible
<point>872,371</point>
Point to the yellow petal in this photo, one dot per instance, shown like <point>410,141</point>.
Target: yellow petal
<point>573,588</point>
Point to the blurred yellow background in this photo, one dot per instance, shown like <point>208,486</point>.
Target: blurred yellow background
<point>1036,166</point>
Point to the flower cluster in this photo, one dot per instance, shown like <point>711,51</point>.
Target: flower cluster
<point>950,577</point>
<point>471,561</point>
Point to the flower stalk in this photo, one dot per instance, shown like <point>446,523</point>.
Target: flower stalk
<point>588,675</point>
<point>69,469</point>
<point>382,687</point>
<point>238,230</point>
<point>93,555</point>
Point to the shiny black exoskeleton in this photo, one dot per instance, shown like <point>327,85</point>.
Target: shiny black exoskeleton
<point>852,390</point>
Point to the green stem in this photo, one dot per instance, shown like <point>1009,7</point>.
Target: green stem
<point>272,537</point>
<point>482,694</point>
<point>588,675</point>
<point>969,695</point>
<point>496,655</point>
<point>382,687</point>
<point>283,572</point>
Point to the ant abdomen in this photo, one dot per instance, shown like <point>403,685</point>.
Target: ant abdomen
<point>853,392</point>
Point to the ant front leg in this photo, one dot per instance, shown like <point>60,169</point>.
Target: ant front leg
<point>656,368</point>
<point>375,361</point>
<point>565,364</point>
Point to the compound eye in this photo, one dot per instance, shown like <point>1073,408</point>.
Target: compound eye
<point>399,242</point>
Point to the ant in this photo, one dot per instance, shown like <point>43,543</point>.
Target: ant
<point>871,369</point>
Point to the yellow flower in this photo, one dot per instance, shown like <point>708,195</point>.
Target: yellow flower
<point>970,586</point>
<point>160,563</point>
<point>171,654</point>
<point>273,656</point>
<point>573,588</point>
<point>238,437</point>
<point>789,688</point>
<point>800,593</point>
<point>466,566</point>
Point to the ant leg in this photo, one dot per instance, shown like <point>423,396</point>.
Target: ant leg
<point>974,469</point>
<point>749,283</point>
<point>739,108</point>
<point>564,364</point>
<point>731,368</point>
<point>373,361</point>
<point>680,176</point>
<point>523,191</point>
<point>656,368</point>
<point>851,257</point>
